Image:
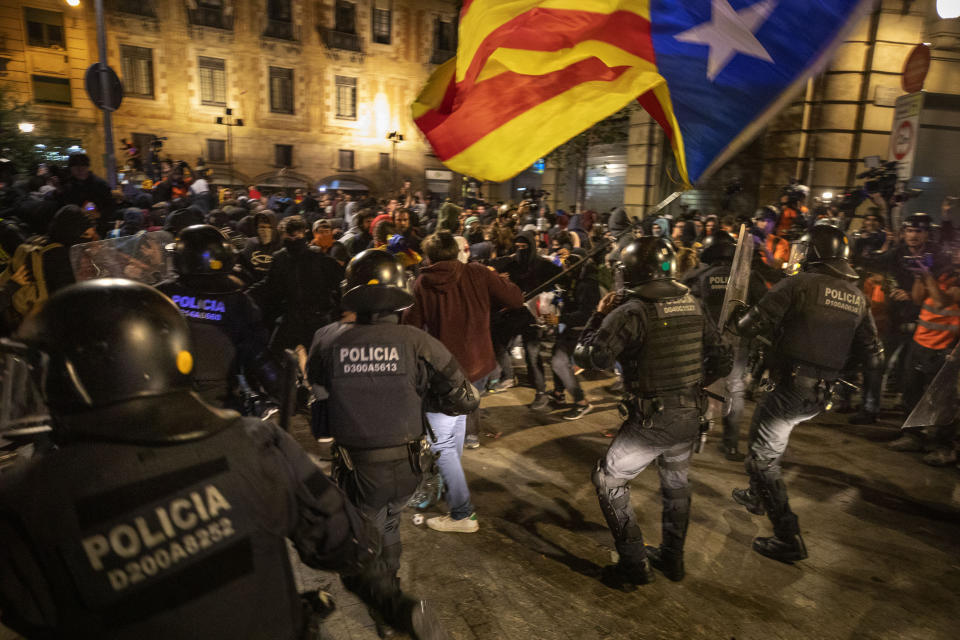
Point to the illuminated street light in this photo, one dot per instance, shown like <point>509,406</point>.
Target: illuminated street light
<point>26,127</point>
<point>73,3</point>
<point>827,196</point>
<point>948,9</point>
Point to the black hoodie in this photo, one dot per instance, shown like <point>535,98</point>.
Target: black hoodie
<point>527,270</point>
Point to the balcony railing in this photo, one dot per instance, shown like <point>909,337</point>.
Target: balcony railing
<point>144,8</point>
<point>282,30</point>
<point>341,40</point>
<point>210,17</point>
<point>441,55</point>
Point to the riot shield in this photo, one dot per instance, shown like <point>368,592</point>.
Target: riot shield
<point>23,412</point>
<point>938,406</point>
<point>739,282</point>
<point>139,257</point>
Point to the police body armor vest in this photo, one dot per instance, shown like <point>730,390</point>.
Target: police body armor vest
<point>713,287</point>
<point>216,324</point>
<point>670,356</point>
<point>818,329</point>
<point>375,381</point>
<point>167,541</point>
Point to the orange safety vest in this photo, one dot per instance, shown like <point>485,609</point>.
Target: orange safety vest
<point>778,248</point>
<point>938,328</point>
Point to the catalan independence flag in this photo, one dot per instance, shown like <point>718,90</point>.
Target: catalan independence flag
<point>531,74</point>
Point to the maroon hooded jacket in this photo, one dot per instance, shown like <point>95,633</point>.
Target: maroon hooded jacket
<point>453,304</point>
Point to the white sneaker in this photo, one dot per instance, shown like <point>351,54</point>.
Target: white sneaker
<point>446,523</point>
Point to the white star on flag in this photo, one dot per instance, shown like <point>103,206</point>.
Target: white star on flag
<point>730,32</point>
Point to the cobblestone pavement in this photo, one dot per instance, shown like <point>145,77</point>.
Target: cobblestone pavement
<point>881,528</point>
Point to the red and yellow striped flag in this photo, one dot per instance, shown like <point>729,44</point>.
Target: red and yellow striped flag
<point>531,74</point>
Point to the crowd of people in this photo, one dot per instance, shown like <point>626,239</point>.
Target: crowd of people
<point>436,301</point>
<point>909,273</point>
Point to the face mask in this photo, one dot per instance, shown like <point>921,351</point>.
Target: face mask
<point>523,252</point>
<point>265,235</point>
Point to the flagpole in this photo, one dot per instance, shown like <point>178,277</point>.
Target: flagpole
<point>600,247</point>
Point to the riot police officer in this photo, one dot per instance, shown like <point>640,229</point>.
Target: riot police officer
<point>376,378</point>
<point>815,321</point>
<point>156,515</point>
<point>658,333</point>
<point>224,321</point>
<point>708,282</point>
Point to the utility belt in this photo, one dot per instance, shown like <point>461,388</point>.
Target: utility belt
<point>417,452</point>
<point>646,405</point>
<point>826,384</point>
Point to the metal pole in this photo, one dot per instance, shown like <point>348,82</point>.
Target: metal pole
<point>230,147</point>
<point>109,160</point>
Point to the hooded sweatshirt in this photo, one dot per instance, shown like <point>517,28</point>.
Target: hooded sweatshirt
<point>257,256</point>
<point>453,303</point>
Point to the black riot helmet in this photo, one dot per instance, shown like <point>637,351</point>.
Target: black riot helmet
<point>201,250</point>
<point>648,258</point>
<point>718,247</point>
<point>106,342</point>
<point>826,245</point>
<point>375,283</point>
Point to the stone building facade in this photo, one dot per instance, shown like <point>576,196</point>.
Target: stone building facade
<point>318,84</point>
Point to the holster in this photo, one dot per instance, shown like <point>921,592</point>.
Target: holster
<point>421,456</point>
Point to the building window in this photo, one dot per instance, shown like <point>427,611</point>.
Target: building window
<point>283,155</point>
<point>382,18</point>
<point>346,98</point>
<point>216,150</point>
<point>209,13</point>
<point>384,161</point>
<point>279,20</point>
<point>47,90</point>
<point>345,17</point>
<point>213,81</point>
<point>345,160</point>
<point>137,7</point>
<point>136,64</point>
<point>44,28</point>
<point>281,90</point>
<point>444,41</point>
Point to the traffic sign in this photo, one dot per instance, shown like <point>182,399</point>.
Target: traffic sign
<point>915,69</point>
<point>904,133</point>
<point>92,82</point>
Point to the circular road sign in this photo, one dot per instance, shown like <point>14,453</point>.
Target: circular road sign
<point>915,69</point>
<point>92,82</point>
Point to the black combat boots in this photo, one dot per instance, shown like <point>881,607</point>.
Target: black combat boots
<point>667,561</point>
<point>627,575</point>
<point>787,550</point>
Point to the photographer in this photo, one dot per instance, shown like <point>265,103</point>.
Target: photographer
<point>937,291</point>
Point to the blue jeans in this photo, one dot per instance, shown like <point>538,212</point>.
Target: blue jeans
<point>450,431</point>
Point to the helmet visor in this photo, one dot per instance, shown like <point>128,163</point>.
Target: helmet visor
<point>798,255</point>
<point>22,402</point>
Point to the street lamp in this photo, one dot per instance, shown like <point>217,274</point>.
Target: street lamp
<point>229,122</point>
<point>395,138</point>
<point>948,9</point>
<point>73,3</point>
<point>26,127</point>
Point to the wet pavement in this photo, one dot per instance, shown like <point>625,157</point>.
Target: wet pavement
<point>881,529</point>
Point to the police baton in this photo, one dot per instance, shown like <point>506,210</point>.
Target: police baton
<point>600,248</point>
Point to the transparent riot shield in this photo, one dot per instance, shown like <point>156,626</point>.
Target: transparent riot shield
<point>138,257</point>
<point>739,282</point>
<point>23,412</point>
<point>938,406</point>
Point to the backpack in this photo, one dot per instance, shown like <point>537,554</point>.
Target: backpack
<point>31,296</point>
